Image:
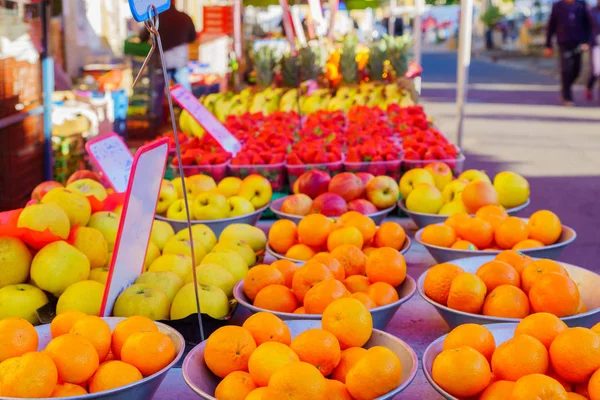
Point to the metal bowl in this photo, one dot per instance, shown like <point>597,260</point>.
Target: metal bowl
<point>587,282</point>
<point>142,390</point>
<point>377,217</point>
<point>422,219</point>
<point>501,333</point>
<point>216,225</point>
<point>552,252</point>
<point>274,254</point>
<point>199,378</point>
<point>381,315</point>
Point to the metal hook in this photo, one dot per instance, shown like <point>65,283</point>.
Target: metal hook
<point>151,25</point>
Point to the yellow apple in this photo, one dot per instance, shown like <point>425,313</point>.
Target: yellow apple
<point>230,260</point>
<point>200,184</point>
<point>201,233</point>
<point>177,245</point>
<point>425,198</point>
<point>252,235</point>
<point>240,247</point>
<point>441,173</point>
<point>166,197</point>
<point>239,206</point>
<point>161,232</point>
<point>15,261</point>
<point>412,178</point>
<point>21,301</point>
<point>77,207</point>
<point>177,210</point>
<point>475,175</point>
<point>39,217</point>
<point>93,244</point>
<point>143,300</point>
<point>257,189</point>
<point>453,190</point>
<point>382,191</point>
<point>57,266</point>
<point>512,189</point>
<point>215,275</point>
<point>229,186</point>
<point>88,187</point>
<point>177,263</point>
<point>85,296</point>
<point>166,281</point>
<point>452,208</point>
<point>178,184</point>
<point>210,206</point>
<point>100,275</point>
<point>108,224</point>
<point>152,253</point>
<point>213,302</point>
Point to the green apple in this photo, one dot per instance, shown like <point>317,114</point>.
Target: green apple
<point>412,178</point>
<point>209,206</point>
<point>252,235</point>
<point>240,247</point>
<point>143,300</point>
<point>215,275</point>
<point>99,275</point>
<point>425,198</point>
<point>180,264</point>
<point>108,224</point>
<point>230,260</point>
<point>178,245</point>
<point>167,281</point>
<point>213,302</point>
<point>239,206</point>
<point>161,232</point>
<point>166,197</point>
<point>21,301</point>
<point>201,233</point>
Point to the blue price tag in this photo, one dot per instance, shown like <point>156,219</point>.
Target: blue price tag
<point>140,8</point>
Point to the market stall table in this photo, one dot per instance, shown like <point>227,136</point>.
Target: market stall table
<point>417,323</point>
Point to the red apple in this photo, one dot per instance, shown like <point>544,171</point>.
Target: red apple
<point>347,185</point>
<point>32,202</point>
<point>43,188</point>
<point>383,192</point>
<point>365,177</point>
<point>362,206</point>
<point>329,204</point>
<point>313,183</point>
<point>297,204</point>
<point>84,174</point>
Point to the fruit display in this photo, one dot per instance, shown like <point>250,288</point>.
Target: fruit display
<point>538,358</point>
<point>232,197</point>
<point>317,233</point>
<point>511,285</point>
<point>433,190</point>
<point>199,155</point>
<point>83,356</point>
<point>493,229</point>
<point>317,192</point>
<point>262,359</point>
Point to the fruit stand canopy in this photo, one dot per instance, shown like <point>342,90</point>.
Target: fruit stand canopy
<point>350,4</point>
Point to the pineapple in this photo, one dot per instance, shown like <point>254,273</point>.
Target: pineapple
<point>310,64</point>
<point>376,63</point>
<point>264,64</point>
<point>397,53</point>
<point>348,64</point>
<point>289,70</point>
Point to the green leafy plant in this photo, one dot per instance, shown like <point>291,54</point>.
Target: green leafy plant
<point>491,17</point>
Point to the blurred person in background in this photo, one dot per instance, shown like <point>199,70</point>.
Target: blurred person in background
<point>571,23</point>
<point>595,55</point>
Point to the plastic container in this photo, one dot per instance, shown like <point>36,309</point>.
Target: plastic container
<point>294,171</point>
<point>457,165</point>
<point>216,171</point>
<point>390,168</point>
<point>275,173</point>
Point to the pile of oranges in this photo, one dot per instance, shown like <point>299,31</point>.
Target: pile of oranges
<point>510,286</point>
<point>543,360</point>
<point>83,357</point>
<point>345,272</point>
<point>260,360</point>
<point>317,233</point>
<point>493,229</point>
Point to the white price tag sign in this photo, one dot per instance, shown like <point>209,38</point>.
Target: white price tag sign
<point>112,156</point>
<point>140,8</point>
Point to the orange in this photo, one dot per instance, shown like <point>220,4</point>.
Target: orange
<point>228,349</point>
<point>515,259</point>
<point>357,283</point>
<point>352,259</point>
<point>337,391</point>
<point>477,231</point>
<point>258,394</point>
<point>259,277</point>
<point>380,367</point>
<point>555,293</point>
<point>545,227</point>
<point>75,357</point>
<point>545,327</point>
<point>582,389</point>
<point>528,244</point>
<point>341,236</point>
<point>365,299</point>
<point>349,321</point>
<point>477,337</point>
<point>368,250</point>
<point>332,263</point>
<point>266,327</point>
<point>298,380</point>
<point>314,229</point>
<point>383,293</point>
<point>534,271</point>
<point>364,224</point>
<point>386,265</point>
<point>467,293</point>
<point>149,352</point>
<point>68,390</point>
<point>64,321</point>
<point>596,328</point>
<point>462,372</point>
<point>499,390</point>
<point>552,374</point>
<point>348,359</point>
<point>510,232</point>
<point>492,214</point>
<point>31,375</point>
<point>478,194</point>
<point>300,252</point>
<point>300,310</point>
<point>283,235</point>
<point>463,245</point>
<point>575,354</point>
<point>307,276</point>
<point>268,358</point>
<point>323,294</point>
<point>235,386</point>
<point>456,220</point>
<point>582,308</point>
<point>594,386</point>
<point>128,327</point>
<point>318,348</point>
<point>17,337</point>
<point>538,386</point>
<point>97,331</point>
<point>520,356</point>
<point>496,273</point>
<point>287,269</point>
<point>390,234</point>
<point>438,280</point>
<point>575,396</point>
<point>113,374</point>
<point>438,235</point>
<point>506,301</point>
<point>276,298</point>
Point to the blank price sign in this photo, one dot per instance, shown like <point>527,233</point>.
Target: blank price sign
<point>112,156</point>
<point>136,221</point>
